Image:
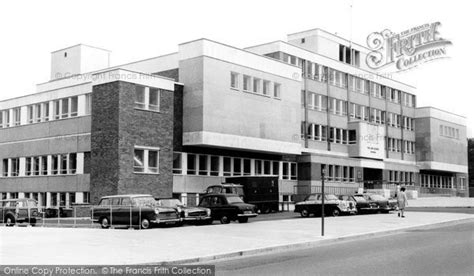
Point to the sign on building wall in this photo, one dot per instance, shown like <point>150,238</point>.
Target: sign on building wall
<point>370,140</point>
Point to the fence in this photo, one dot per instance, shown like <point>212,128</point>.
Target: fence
<point>84,216</point>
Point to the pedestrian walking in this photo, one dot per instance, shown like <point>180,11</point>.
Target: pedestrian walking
<point>402,202</point>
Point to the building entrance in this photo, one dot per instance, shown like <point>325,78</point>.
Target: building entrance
<point>373,178</point>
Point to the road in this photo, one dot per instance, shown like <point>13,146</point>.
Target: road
<point>435,251</point>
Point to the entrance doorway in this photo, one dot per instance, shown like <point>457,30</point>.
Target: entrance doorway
<point>373,178</point>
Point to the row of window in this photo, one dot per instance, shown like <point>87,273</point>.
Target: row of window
<point>213,165</point>
<point>437,181</point>
<point>147,98</point>
<point>339,173</point>
<point>395,145</point>
<point>449,132</point>
<point>400,177</point>
<point>349,55</point>
<point>323,74</point>
<point>57,199</point>
<point>339,107</point>
<point>41,112</point>
<point>58,164</point>
<point>255,85</point>
<point>318,132</point>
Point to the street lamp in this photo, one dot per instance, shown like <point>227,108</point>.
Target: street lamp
<point>323,172</point>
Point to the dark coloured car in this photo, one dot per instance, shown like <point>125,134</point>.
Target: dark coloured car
<point>363,205</point>
<point>228,207</point>
<point>19,211</point>
<point>133,211</point>
<point>225,188</point>
<point>188,214</point>
<point>379,202</point>
<point>332,206</point>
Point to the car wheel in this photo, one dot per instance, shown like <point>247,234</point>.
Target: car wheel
<point>33,222</point>
<point>243,220</point>
<point>304,213</point>
<point>224,219</point>
<point>145,224</point>
<point>9,220</point>
<point>335,212</point>
<point>104,223</point>
<point>266,209</point>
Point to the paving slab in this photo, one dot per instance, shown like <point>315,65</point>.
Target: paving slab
<point>38,245</point>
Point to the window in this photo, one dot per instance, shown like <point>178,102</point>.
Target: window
<point>203,164</point>
<point>237,167</point>
<point>57,109</point>
<point>276,90</point>
<point>140,97</point>
<point>227,166</point>
<point>214,165</point>
<point>191,164</point>
<point>55,164</point>
<point>247,83</point>
<point>72,163</point>
<point>88,104</point>
<point>36,165</point>
<point>154,99</point>
<point>146,160</point>
<point>64,164</point>
<point>64,108</point>
<point>266,87</point>
<point>234,80</point>
<point>28,166</point>
<point>177,166</point>
<point>37,113</point>
<point>247,166</point>
<point>16,117</point>
<point>256,85</point>
<point>74,104</point>
<point>44,165</point>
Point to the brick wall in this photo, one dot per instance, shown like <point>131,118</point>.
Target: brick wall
<point>117,127</point>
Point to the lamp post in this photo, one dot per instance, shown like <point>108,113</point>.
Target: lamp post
<point>323,172</point>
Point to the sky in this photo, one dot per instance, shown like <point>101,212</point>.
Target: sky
<point>135,30</point>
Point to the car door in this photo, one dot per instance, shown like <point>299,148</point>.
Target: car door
<point>125,211</point>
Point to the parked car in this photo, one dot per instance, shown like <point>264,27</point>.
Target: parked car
<point>226,188</point>
<point>187,214</point>
<point>393,203</point>
<point>18,211</point>
<point>363,205</point>
<point>228,207</point>
<point>133,210</point>
<point>312,204</point>
<point>379,202</point>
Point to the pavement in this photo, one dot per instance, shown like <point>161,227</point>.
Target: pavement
<point>40,245</point>
<point>442,202</point>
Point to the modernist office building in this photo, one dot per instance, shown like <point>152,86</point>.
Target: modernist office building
<point>174,124</point>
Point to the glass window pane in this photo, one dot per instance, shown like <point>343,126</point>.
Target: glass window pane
<point>138,161</point>
<point>153,161</point>
<point>154,99</point>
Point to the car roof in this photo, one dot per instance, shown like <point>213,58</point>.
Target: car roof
<point>218,194</point>
<point>129,195</point>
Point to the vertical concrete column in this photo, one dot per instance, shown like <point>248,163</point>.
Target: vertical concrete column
<point>79,197</point>
<point>22,166</point>
<point>80,163</point>
<point>48,199</point>
<point>184,199</point>
<point>8,195</point>
<point>184,163</point>
<point>51,110</point>
<point>1,196</point>
<point>58,199</point>
<point>280,170</point>
<point>232,166</point>
<point>81,105</point>
<point>197,199</point>
<point>21,195</point>
<point>68,203</point>
<point>221,165</point>
<point>252,167</point>
<point>40,199</point>
<point>23,115</point>
<point>50,164</point>
<point>147,96</point>
<point>9,174</point>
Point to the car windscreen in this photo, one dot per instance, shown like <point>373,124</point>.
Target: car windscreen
<point>377,197</point>
<point>331,197</point>
<point>146,201</point>
<point>234,199</point>
<point>32,203</point>
<point>169,203</point>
